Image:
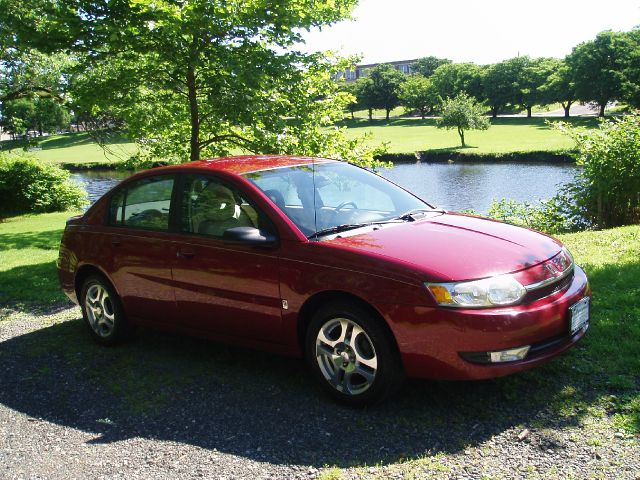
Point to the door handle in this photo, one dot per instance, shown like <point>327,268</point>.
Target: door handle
<point>185,253</point>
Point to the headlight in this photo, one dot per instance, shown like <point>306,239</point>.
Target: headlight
<point>500,290</point>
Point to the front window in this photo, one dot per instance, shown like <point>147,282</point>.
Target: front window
<point>328,194</point>
<point>211,206</point>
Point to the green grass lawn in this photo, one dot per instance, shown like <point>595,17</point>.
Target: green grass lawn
<point>77,148</point>
<point>404,135</point>
<point>506,134</point>
<point>597,379</point>
<point>28,253</point>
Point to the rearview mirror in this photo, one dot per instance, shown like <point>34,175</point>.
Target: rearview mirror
<point>249,236</point>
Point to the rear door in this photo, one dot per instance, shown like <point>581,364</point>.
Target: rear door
<point>141,249</point>
<point>229,290</point>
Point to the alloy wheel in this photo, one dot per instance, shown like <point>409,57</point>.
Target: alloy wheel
<point>346,356</point>
<point>100,311</point>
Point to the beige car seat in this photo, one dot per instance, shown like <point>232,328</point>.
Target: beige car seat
<point>217,211</point>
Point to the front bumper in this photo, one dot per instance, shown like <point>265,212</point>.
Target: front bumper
<point>432,340</point>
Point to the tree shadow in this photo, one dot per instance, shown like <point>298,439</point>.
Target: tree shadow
<point>538,122</point>
<point>46,240</point>
<point>545,123</point>
<point>253,404</point>
<point>60,141</point>
<point>76,139</point>
<point>394,122</point>
<point>30,287</point>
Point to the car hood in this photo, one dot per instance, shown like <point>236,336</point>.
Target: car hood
<point>454,247</point>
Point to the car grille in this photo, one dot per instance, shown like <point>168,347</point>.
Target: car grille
<point>549,289</point>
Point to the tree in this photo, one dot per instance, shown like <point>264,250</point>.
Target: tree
<point>452,79</point>
<point>26,114</point>
<point>32,90</point>
<point>631,69</point>
<point>366,95</point>
<point>534,75</point>
<point>350,88</point>
<point>18,116</point>
<point>31,73</point>
<point>198,77</point>
<point>426,66</point>
<point>418,93</point>
<point>560,86</point>
<point>50,116</point>
<point>502,83</point>
<point>463,113</point>
<point>597,67</point>
<point>386,81</point>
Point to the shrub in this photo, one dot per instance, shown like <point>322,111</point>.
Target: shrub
<point>607,190</point>
<point>31,185</point>
<point>555,215</point>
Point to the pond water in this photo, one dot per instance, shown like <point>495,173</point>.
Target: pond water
<point>456,186</point>
<point>460,186</point>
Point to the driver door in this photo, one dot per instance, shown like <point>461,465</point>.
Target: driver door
<point>231,290</point>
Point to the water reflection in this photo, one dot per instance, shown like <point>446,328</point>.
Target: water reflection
<point>457,186</point>
<point>99,182</point>
<point>461,186</point>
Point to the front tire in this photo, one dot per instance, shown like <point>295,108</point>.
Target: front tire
<point>352,355</point>
<point>102,311</point>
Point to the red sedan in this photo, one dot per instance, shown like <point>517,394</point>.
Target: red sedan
<point>322,259</point>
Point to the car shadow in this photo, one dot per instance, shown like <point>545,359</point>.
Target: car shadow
<point>252,404</point>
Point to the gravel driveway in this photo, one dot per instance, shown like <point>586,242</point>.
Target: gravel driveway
<point>167,407</point>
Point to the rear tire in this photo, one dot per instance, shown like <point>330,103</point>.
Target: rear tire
<point>102,311</point>
<point>352,355</point>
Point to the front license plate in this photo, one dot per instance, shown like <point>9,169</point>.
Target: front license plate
<point>579,315</point>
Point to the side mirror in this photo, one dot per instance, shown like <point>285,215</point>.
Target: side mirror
<point>249,236</point>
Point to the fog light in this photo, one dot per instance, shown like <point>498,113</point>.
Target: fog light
<point>510,355</point>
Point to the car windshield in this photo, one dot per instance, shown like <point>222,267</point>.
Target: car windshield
<point>329,196</point>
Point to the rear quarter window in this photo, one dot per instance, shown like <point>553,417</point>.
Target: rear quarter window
<point>144,204</point>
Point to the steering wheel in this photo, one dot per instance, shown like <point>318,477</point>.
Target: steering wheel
<point>340,207</point>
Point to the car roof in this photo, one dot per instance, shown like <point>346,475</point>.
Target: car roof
<point>242,164</point>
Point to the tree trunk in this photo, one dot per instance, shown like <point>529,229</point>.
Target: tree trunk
<point>194,144</point>
<point>567,107</point>
<point>371,114</point>
<point>461,133</point>
<point>529,112</point>
<point>494,112</point>
<point>423,112</point>
<point>388,111</point>
<point>352,115</point>
<point>602,107</point>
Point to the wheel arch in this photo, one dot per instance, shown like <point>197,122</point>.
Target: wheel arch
<point>315,301</point>
<point>84,272</point>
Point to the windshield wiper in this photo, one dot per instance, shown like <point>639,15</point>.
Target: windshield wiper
<point>339,228</point>
<point>408,215</point>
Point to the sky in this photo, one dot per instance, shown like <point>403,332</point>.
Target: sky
<point>480,31</point>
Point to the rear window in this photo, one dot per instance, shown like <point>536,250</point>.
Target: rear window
<point>144,204</point>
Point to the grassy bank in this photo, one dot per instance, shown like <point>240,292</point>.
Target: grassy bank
<point>508,139</point>
<point>506,135</point>
<point>76,150</point>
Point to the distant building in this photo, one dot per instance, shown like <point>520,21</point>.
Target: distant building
<point>351,75</point>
